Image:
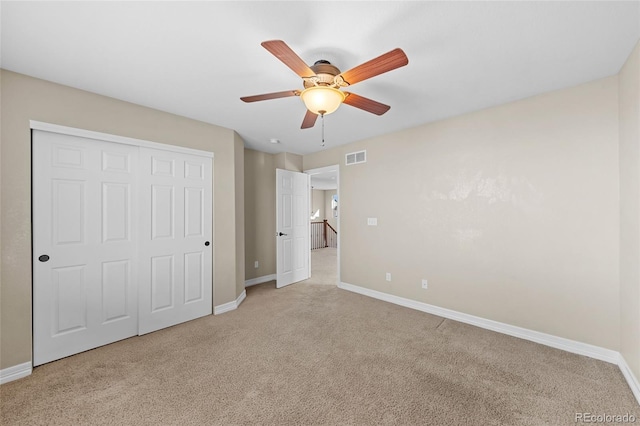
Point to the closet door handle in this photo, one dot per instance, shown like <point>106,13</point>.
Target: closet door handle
<point>206,243</point>
<point>43,258</point>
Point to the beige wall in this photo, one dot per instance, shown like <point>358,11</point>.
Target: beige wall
<point>24,99</point>
<point>328,213</point>
<point>511,213</point>
<point>318,203</point>
<point>629,110</point>
<point>260,208</point>
<point>260,213</point>
<point>288,161</point>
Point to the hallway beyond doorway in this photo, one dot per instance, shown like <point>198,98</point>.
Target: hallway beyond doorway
<point>324,266</point>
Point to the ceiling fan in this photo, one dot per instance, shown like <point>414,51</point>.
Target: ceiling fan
<point>323,80</point>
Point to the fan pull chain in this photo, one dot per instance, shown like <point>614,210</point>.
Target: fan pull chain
<point>322,117</point>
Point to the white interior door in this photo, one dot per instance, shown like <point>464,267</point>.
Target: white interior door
<point>84,244</point>
<point>292,227</point>
<point>175,238</point>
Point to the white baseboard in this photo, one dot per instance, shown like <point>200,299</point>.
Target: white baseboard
<point>631,379</point>
<point>241,298</point>
<point>260,280</point>
<point>568,345</point>
<point>16,372</point>
<point>230,306</point>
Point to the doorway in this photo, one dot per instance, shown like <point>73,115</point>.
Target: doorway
<point>324,220</point>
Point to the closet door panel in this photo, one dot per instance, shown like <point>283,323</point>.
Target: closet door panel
<point>84,245</point>
<point>175,238</point>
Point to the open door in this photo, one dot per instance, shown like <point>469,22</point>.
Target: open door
<point>292,227</point>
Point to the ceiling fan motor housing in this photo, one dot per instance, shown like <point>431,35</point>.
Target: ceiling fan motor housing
<point>325,73</point>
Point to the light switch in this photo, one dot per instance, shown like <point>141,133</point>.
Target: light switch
<point>372,221</point>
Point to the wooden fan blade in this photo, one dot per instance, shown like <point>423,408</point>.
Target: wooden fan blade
<point>280,50</point>
<point>309,120</point>
<point>366,104</point>
<point>383,63</point>
<point>268,96</point>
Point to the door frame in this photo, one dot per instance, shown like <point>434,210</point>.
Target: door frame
<point>106,137</point>
<point>333,168</point>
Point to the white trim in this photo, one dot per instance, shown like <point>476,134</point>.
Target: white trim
<point>241,298</point>
<point>260,280</point>
<point>225,307</point>
<point>230,306</point>
<point>16,372</point>
<point>632,380</point>
<point>55,128</point>
<point>333,168</point>
<point>568,345</point>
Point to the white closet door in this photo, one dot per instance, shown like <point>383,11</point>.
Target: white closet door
<point>84,244</point>
<point>175,238</point>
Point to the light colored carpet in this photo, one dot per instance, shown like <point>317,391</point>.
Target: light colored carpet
<point>324,266</point>
<point>311,354</point>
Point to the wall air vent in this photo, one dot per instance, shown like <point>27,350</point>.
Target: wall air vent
<point>356,158</point>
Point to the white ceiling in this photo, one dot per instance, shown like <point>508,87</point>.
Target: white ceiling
<point>196,59</point>
<point>324,181</point>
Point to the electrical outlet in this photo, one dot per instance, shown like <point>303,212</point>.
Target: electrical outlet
<point>388,276</point>
<point>256,264</point>
<point>425,285</point>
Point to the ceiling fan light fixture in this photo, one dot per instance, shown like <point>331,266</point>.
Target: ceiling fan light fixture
<point>322,100</point>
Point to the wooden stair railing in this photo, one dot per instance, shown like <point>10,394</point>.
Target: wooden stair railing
<point>323,235</point>
<point>331,235</point>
